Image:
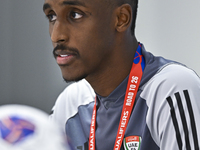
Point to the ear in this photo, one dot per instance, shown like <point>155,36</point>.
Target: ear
<point>124,17</point>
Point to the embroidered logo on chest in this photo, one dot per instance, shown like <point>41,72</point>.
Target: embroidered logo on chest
<point>132,143</point>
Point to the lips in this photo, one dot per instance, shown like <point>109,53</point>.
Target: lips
<point>64,57</point>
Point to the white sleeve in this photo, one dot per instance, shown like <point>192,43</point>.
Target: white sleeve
<point>66,106</point>
<point>173,99</point>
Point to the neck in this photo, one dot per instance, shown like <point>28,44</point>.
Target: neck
<point>117,69</point>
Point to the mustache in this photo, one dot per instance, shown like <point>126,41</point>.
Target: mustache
<point>64,48</point>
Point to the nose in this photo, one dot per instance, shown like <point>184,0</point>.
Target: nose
<point>59,33</point>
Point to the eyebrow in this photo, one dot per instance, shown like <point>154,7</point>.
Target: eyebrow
<point>46,6</point>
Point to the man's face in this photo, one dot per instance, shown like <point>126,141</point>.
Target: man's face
<point>82,33</point>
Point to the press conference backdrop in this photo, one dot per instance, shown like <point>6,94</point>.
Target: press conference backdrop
<point>28,72</point>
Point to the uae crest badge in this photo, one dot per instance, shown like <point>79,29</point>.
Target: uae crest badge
<point>132,142</point>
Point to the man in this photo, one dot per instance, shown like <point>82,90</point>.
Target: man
<point>142,102</point>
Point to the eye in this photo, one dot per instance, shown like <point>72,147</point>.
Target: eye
<point>75,15</point>
<point>51,17</point>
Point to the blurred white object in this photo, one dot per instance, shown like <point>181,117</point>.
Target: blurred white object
<point>27,128</point>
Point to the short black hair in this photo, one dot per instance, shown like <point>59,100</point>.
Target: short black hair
<point>135,8</point>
